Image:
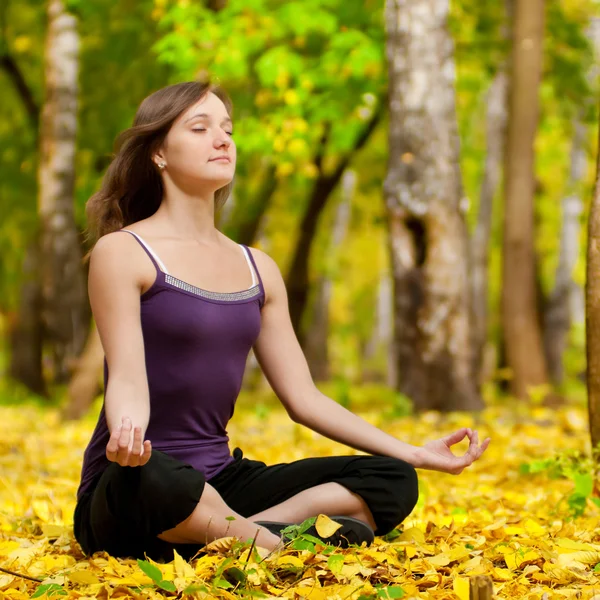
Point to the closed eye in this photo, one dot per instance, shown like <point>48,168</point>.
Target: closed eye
<point>227,132</point>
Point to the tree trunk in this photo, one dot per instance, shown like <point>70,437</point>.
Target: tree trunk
<point>523,337</point>
<point>496,119</point>
<point>216,5</point>
<point>86,382</point>
<point>558,311</point>
<point>297,278</point>
<point>426,212</point>
<point>592,309</point>
<point>317,346</point>
<point>65,308</point>
<point>382,333</point>
<point>26,332</point>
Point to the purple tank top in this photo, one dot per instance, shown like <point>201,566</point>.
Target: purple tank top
<point>196,345</point>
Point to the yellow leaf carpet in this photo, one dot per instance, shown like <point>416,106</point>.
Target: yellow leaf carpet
<point>526,515</point>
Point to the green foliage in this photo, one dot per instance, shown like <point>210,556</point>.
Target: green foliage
<point>156,575</point>
<point>571,465</point>
<point>389,591</point>
<point>49,590</point>
<point>296,70</point>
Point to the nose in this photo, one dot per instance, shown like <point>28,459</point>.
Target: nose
<point>222,140</point>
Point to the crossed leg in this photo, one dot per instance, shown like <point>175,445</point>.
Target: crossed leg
<point>209,521</point>
<point>327,498</point>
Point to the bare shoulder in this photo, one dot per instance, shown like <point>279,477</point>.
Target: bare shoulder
<point>118,256</point>
<point>112,243</point>
<point>271,276</point>
<point>266,265</point>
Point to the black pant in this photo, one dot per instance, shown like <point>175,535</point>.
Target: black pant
<point>130,506</point>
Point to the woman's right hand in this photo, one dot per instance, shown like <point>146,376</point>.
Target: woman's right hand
<point>125,451</point>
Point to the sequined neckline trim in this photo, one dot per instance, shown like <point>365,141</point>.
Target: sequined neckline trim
<point>227,296</point>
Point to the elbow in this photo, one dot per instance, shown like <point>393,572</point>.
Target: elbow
<point>302,405</point>
<point>294,415</point>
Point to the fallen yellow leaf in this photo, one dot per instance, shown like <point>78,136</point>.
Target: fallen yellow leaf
<point>221,545</point>
<point>82,577</point>
<point>290,560</point>
<point>461,587</point>
<point>414,534</point>
<point>325,526</point>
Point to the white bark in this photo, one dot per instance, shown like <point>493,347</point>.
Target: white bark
<point>65,309</point>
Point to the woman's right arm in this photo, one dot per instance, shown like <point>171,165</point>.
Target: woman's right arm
<point>114,286</point>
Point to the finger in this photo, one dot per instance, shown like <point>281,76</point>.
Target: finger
<point>125,432</point>
<point>124,443</point>
<point>136,449</point>
<point>147,452</point>
<point>113,444</point>
<point>455,437</point>
<point>125,435</point>
<point>485,445</point>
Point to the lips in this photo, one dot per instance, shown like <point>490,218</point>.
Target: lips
<point>222,158</point>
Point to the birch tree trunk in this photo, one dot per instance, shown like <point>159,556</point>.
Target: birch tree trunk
<point>521,325</point>
<point>426,211</point>
<point>317,338</point>
<point>382,333</point>
<point>65,310</point>
<point>592,311</point>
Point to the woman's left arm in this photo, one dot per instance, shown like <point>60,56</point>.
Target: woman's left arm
<point>283,363</point>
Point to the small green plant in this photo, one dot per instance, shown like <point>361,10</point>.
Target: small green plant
<point>156,575</point>
<point>49,590</point>
<point>571,465</point>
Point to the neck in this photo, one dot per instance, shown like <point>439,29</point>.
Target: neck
<point>191,216</point>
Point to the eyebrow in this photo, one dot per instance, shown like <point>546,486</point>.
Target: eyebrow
<point>225,120</point>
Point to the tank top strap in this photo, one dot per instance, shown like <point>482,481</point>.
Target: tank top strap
<point>152,255</point>
<point>250,258</point>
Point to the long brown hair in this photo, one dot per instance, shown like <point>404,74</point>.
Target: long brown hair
<point>132,187</point>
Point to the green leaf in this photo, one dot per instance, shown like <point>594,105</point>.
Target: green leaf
<point>49,589</point>
<point>223,583</point>
<point>191,589</point>
<point>236,574</point>
<point>584,484</point>
<point>222,567</point>
<point>313,539</point>
<point>169,586</point>
<point>300,544</point>
<point>151,570</point>
<point>335,563</point>
<point>390,592</point>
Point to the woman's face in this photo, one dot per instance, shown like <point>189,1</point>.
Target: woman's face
<point>199,149</point>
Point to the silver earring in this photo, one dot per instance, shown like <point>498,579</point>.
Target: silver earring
<point>162,165</point>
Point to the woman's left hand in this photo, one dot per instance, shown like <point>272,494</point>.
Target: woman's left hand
<point>437,455</point>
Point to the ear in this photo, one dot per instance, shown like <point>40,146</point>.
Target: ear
<point>158,157</point>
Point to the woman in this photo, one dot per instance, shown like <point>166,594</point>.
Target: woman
<point>178,306</point>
